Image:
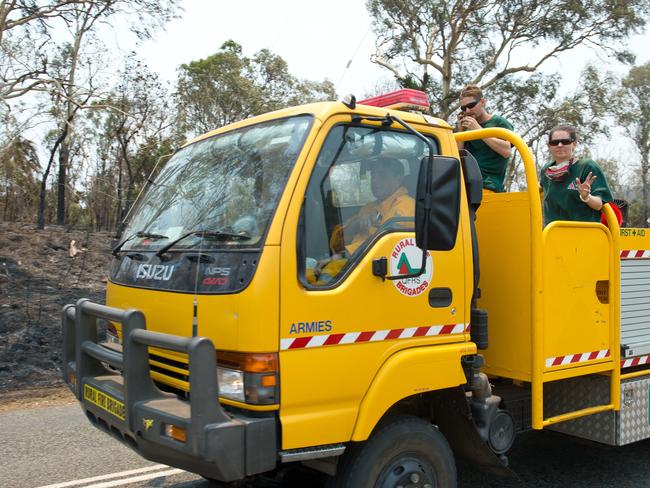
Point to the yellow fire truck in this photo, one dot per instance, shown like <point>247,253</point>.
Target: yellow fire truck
<point>314,285</point>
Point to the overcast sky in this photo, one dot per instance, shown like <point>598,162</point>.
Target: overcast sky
<point>317,39</point>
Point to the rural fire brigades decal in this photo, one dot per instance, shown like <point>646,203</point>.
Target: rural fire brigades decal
<point>406,258</point>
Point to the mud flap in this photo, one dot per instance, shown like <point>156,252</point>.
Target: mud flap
<point>454,420</point>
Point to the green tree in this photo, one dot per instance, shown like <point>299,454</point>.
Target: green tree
<point>439,46</point>
<point>228,86</point>
<point>26,28</point>
<point>24,35</point>
<point>18,185</point>
<point>67,97</point>
<point>633,111</point>
<point>138,115</point>
<point>534,107</point>
<point>70,89</point>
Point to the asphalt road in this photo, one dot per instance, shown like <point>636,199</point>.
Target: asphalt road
<point>58,448</point>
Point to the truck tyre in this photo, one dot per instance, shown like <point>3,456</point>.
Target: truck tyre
<point>404,451</point>
<point>223,484</point>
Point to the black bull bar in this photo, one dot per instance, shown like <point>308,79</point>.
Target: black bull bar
<point>217,445</point>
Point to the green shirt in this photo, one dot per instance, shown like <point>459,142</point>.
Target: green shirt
<point>562,198</point>
<point>493,165</point>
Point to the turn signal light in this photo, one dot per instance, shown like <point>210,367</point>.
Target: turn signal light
<point>249,362</point>
<point>175,432</point>
<point>269,380</point>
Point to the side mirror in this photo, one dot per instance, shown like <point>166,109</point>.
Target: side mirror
<point>437,204</point>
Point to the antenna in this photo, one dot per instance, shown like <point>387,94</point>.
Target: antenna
<point>195,304</point>
<point>347,66</point>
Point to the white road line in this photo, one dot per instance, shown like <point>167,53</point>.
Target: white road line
<point>106,476</point>
<point>135,479</point>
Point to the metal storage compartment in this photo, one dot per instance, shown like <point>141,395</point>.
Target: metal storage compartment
<point>635,307</point>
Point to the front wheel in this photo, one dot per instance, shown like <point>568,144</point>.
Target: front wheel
<point>405,452</point>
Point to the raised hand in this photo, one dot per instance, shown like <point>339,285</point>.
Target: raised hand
<point>585,187</point>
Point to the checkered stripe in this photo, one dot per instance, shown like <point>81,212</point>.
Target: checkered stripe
<point>576,358</point>
<point>371,336</point>
<point>634,254</point>
<point>628,363</point>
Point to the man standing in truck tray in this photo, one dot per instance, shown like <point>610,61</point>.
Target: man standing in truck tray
<point>491,153</point>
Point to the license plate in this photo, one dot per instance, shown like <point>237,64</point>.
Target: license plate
<point>104,401</point>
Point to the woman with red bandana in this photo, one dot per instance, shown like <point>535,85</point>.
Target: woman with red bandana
<point>574,188</point>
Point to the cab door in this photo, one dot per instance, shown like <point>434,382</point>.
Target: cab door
<point>339,322</point>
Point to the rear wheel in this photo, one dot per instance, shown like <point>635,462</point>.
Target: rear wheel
<point>405,452</point>
<point>223,484</point>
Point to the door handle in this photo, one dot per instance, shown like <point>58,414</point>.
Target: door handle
<point>440,297</point>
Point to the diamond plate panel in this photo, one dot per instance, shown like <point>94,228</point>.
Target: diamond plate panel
<point>631,424</point>
<point>577,393</point>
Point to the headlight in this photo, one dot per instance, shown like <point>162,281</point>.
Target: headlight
<point>231,384</point>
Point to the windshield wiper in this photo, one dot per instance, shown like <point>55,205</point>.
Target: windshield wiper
<point>141,234</point>
<point>207,234</point>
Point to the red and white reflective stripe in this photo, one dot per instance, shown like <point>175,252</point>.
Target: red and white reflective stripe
<point>576,358</point>
<point>371,336</point>
<point>628,363</point>
<point>635,254</point>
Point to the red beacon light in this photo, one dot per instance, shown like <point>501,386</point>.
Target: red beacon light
<point>405,99</point>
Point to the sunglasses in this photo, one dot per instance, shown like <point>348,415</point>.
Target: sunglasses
<point>557,142</point>
<point>469,105</point>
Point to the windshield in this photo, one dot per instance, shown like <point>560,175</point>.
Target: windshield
<point>228,184</point>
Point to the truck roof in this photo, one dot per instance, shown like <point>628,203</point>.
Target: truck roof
<point>324,110</point>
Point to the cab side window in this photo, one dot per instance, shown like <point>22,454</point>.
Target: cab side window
<point>363,185</point>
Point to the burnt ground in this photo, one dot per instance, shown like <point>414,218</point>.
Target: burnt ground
<point>37,278</point>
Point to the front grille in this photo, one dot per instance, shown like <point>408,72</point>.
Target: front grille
<point>167,361</point>
<point>172,374</point>
<point>172,369</point>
